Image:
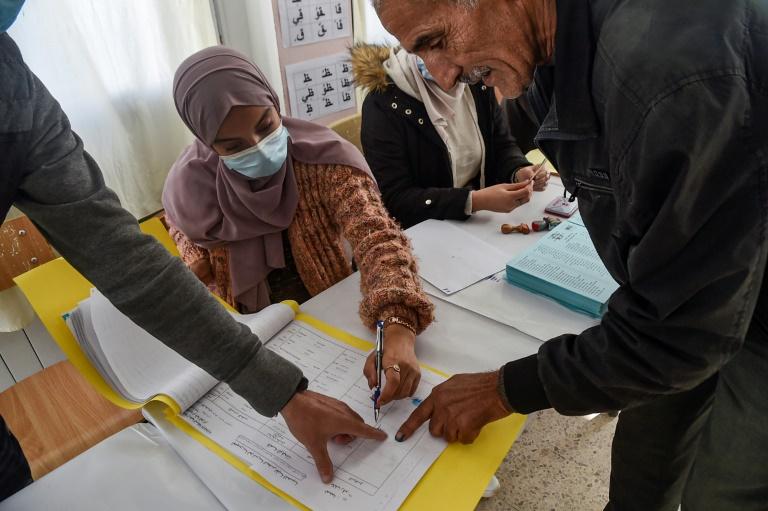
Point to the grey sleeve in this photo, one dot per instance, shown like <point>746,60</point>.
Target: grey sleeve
<point>64,194</point>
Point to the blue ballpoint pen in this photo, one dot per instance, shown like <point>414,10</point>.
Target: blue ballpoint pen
<point>379,357</point>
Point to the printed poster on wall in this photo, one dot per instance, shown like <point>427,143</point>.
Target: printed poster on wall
<point>320,87</point>
<point>314,21</point>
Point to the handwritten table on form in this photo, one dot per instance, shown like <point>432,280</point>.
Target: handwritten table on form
<point>368,474</point>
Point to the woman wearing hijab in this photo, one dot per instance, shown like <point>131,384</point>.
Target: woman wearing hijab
<point>259,205</point>
<point>437,154</point>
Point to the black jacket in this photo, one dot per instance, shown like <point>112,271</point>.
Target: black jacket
<point>411,162</point>
<point>659,124</point>
<point>522,123</point>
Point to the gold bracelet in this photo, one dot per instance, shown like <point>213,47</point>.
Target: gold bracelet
<point>399,321</point>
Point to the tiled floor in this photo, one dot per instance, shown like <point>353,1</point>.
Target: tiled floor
<point>558,464</point>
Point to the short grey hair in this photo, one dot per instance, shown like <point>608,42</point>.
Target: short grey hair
<point>378,4</point>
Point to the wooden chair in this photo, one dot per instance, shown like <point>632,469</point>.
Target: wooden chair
<point>56,415</point>
<point>349,129</point>
<point>22,248</point>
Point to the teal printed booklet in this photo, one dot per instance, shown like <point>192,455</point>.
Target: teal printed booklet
<point>565,267</point>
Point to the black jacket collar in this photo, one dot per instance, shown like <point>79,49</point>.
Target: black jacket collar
<point>567,85</point>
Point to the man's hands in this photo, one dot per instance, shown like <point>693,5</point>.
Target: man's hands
<point>540,175</point>
<point>502,198</point>
<point>399,350</point>
<point>314,419</point>
<point>458,408</point>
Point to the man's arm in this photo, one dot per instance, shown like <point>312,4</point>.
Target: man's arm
<point>694,235</point>
<point>64,194</point>
<point>693,232</point>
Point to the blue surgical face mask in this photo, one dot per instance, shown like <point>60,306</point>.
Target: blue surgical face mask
<point>423,69</point>
<point>9,9</point>
<point>262,160</point>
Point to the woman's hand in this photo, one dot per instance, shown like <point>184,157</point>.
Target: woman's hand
<point>202,268</point>
<point>399,350</point>
<point>540,175</point>
<point>502,198</point>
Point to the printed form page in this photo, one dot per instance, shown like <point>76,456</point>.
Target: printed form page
<point>567,257</point>
<point>368,474</point>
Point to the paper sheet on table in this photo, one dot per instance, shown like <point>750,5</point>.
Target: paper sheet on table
<point>450,258</point>
<point>532,314</point>
<point>565,266</point>
<point>368,474</point>
<point>455,481</point>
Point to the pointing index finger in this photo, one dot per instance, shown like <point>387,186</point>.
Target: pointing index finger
<point>419,416</point>
<point>360,429</point>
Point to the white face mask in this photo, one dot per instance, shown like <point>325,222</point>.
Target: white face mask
<point>262,160</point>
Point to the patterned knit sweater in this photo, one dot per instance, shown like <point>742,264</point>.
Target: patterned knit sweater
<point>338,202</point>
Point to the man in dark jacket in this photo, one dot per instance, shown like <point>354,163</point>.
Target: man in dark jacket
<point>47,174</point>
<point>656,115</point>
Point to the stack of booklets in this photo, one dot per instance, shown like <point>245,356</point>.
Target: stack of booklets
<point>134,369</point>
<point>565,267</point>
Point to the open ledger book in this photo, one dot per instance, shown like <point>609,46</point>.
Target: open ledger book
<point>368,474</point>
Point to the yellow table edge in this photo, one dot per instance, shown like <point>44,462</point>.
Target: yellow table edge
<point>455,481</point>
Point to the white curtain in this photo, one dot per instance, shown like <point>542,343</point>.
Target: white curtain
<point>110,63</point>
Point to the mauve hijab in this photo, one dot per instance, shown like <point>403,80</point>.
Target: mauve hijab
<point>217,207</point>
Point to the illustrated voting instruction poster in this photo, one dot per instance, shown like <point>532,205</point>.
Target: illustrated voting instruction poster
<point>320,87</point>
<point>314,21</point>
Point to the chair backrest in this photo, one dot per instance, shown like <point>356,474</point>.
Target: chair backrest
<point>349,129</point>
<point>22,248</point>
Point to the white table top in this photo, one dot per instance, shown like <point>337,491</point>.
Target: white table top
<point>459,340</point>
<point>134,469</point>
<point>138,469</point>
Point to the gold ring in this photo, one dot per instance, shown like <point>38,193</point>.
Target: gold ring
<point>395,367</point>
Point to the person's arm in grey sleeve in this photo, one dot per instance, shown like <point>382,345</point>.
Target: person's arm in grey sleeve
<point>694,237</point>
<point>64,194</point>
